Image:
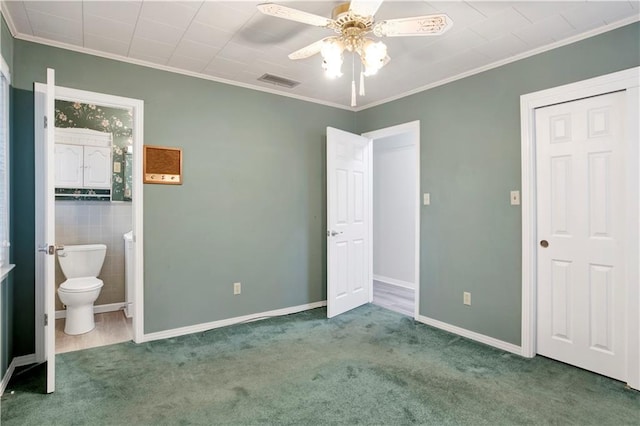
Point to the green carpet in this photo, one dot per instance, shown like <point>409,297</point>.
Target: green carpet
<point>369,366</point>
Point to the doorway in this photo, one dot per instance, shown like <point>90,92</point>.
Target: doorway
<point>580,225</point>
<point>93,206</point>
<point>350,218</point>
<point>395,210</point>
<point>111,163</point>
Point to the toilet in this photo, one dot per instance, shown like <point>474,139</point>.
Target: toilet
<point>81,265</point>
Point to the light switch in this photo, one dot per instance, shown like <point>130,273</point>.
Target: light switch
<point>515,198</point>
<point>426,198</point>
<point>116,167</point>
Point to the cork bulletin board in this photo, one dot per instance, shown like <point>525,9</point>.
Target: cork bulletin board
<point>162,165</point>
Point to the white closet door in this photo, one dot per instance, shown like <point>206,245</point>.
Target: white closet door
<point>581,219</point>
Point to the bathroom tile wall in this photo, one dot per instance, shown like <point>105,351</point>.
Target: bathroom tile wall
<point>96,222</point>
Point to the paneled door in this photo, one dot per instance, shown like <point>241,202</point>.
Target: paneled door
<point>348,221</point>
<point>581,233</point>
<point>44,104</point>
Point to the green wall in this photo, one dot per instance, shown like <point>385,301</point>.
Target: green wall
<point>470,160</point>
<point>6,42</point>
<point>6,290</point>
<point>252,206</point>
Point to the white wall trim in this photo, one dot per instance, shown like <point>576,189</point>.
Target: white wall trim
<point>197,328</point>
<point>413,128</point>
<point>7,376</point>
<point>393,282</point>
<point>18,361</point>
<point>482,338</point>
<point>97,309</point>
<point>79,49</point>
<point>9,21</point>
<point>628,80</point>
<point>4,271</point>
<point>591,33</point>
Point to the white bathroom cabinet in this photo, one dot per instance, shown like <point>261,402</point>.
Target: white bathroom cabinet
<point>82,159</point>
<point>82,166</point>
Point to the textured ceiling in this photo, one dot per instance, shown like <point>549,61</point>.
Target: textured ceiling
<point>233,41</point>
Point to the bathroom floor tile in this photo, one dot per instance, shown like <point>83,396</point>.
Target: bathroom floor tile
<point>111,327</point>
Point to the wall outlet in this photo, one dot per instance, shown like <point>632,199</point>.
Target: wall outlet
<point>237,288</point>
<point>466,298</point>
<point>116,167</point>
<point>426,198</point>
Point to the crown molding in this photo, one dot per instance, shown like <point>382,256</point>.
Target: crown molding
<point>8,20</point>
<point>591,33</point>
<point>80,49</point>
<point>496,64</point>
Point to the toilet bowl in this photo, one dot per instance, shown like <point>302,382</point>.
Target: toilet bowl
<point>80,264</point>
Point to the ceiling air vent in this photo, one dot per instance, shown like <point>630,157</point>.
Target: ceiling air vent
<point>278,81</point>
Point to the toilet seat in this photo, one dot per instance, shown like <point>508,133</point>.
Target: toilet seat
<point>81,285</point>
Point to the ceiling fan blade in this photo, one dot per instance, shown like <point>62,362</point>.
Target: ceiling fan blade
<point>309,50</point>
<point>294,15</point>
<point>365,7</point>
<point>415,26</point>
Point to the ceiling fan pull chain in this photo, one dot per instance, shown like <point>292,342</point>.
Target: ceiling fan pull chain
<point>361,83</point>
<point>353,80</point>
<point>353,93</point>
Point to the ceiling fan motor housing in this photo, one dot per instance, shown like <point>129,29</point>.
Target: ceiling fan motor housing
<point>348,23</point>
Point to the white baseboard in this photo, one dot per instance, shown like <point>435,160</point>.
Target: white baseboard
<point>393,281</point>
<point>97,309</point>
<point>197,328</point>
<point>18,361</point>
<point>128,310</point>
<point>7,376</point>
<point>496,343</point>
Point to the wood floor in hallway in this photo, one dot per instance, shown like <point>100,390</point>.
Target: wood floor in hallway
<point>395,298</point>
<point>111,327</point>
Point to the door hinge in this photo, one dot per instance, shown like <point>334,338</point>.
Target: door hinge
<point>46,319</point>
<point>45,121</point>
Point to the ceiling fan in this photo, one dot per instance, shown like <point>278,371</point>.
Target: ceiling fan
<point>353,22</point>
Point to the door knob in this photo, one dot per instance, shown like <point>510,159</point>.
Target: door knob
<point>544,243</point>
<point>51,249</point>
<point>333,233</point>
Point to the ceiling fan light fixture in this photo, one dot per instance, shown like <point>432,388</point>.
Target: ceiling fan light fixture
<point>332,57</point>
<point>353,21</point>
<point>374,56</point>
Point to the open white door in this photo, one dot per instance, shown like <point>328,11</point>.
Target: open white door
<point>348,221</point>
<point>45,224</point>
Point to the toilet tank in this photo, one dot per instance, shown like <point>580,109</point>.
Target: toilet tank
<point>82,260</point>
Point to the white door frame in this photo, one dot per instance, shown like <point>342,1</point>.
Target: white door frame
<point>628,81</point>
<point>137,105</point>
<point>412,128</point>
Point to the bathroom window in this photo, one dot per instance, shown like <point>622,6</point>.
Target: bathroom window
<point>4,164</point>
